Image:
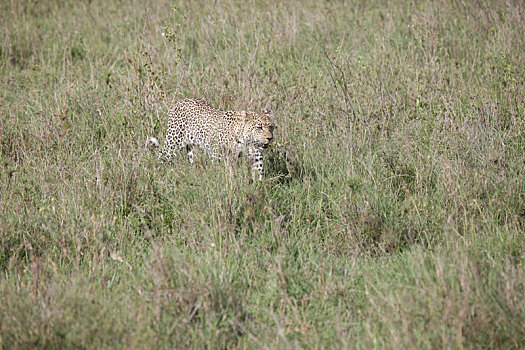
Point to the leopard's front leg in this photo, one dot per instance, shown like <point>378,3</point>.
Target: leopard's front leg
<point>256,154</point>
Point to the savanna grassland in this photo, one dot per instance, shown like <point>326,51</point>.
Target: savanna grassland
<point>391,214</point>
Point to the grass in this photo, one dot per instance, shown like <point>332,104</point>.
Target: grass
<point>391,215</point>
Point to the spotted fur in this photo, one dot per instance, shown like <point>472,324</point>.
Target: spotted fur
<point>193,122</point>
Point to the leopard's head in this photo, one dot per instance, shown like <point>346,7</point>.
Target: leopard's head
<point>260,126</point>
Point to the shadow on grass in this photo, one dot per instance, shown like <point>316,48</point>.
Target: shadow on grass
<point>282,164</point>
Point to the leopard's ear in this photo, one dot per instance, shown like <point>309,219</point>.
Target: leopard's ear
<point>268,113</point>
<point>246,116</point>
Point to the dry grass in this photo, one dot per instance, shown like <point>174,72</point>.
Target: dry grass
<point>392,213</point>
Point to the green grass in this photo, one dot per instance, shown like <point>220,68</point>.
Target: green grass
<point>393,209</point>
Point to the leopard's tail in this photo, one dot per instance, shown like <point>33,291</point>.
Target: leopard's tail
<point>152,142</point>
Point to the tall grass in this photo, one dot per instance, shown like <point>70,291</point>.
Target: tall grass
<point>391,214</point>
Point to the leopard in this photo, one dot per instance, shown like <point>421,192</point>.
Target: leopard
<point>194,122</point>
